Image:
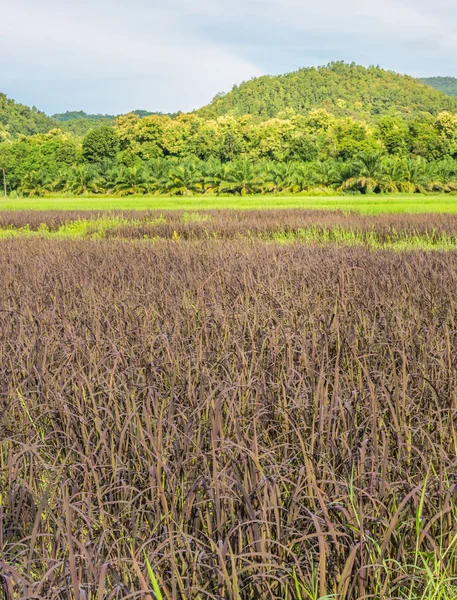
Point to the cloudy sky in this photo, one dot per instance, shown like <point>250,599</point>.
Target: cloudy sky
<point>111,56</point>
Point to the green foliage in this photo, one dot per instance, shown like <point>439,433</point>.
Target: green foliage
<point>100,144</point>
<point>42,165</point>
<point>80,123</point>
<point>335,129</point>
<point>80,115</point>
<point>447,85</point>
<point>19,119</point>
<point>344,89</point>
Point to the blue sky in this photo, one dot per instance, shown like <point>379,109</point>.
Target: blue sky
<point>113,57</point>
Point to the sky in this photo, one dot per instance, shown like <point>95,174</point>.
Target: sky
<point>108,56</point>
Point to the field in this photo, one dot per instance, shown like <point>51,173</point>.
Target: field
<point>375,232</point>
<point>372,204</point>
<point>236,405</point>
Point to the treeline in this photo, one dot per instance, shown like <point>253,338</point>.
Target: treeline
<point>189,154</point>
<point>79,123</point>
<point>17,119</point>
<point>368,173</point>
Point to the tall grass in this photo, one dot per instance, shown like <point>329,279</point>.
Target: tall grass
<point>226,419</point>
<point>396,232</point>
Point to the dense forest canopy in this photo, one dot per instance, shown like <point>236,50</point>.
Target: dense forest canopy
<point>80,114</point>
<point>19,119</point>
<point>447,85</point>
<point>355,130</point>
<point>344,89</point>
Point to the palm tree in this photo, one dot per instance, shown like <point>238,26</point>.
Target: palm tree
<point>84,179</point>
<point>393,173</point>
<point>303,178</point>
<point>446,175</point>
<point>61,178</point>
<point>185,180</point>
<point>214,174</point>
<point>280,176</point>
<point>369,164</point>
<point>342,171</point>
<point>107,174</point>
<point>325,172</point>
<point>242,178</point>
<point>131,180</point>
<point>36,183</point>
<point>417,175</point>
<point>158,170</point>
<point>369,171</point>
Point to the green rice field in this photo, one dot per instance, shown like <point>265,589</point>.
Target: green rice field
<point>374,204</point>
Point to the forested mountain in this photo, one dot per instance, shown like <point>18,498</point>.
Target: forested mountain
<point>79,123</point>
<point>343,89</point>
<point>335,129</point>
<point>80,115</point>
<point>16,118</point>
<point>447,85</point>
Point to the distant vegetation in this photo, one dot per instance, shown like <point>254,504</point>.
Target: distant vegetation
<point>190,155</point>
<point>335,129</point>
<point>19,119</point>
<point>80,115</point>
<point>79,123</point>
<point>344,89</point>
<point>447,85</point>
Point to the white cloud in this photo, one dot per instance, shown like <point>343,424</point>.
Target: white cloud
<point>166,69</point>
<point>113,56</point>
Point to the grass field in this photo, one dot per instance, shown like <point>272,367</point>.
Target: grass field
<point>375,232</point>
<point>229,420</point>
<point>364,204</point>
<point>227,405</point>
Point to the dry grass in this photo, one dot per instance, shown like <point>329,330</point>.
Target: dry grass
<point>226,419</point>
<point>383,231</point>
<point>230,223</point>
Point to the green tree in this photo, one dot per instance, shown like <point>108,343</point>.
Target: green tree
<point>131,180</point>
<point>84,179</point>
<point>100,144</point>
<point>369,173</point>
<point>158,171</point>
<point>36,183</point>
<point>243,178</point>
<point>393,132</point>
<point>185,180</point>
<point>280,176</point>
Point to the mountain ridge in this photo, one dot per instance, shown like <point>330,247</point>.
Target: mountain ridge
<point>342,88</point>
<point>447,85</point>
<point>346,90</point>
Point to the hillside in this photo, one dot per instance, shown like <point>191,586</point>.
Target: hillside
<point>447,85</point>
<point>19,119</point>
<point>344,89</point>
<point>79,123</point>
<point>80,115</point>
